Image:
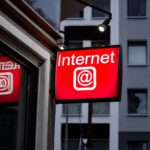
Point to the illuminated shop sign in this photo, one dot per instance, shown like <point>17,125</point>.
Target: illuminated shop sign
<point>10,76</point>
<point>91,74</point>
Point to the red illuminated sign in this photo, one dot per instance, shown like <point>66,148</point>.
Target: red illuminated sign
<point>10,78</point>
<point>91,74</point>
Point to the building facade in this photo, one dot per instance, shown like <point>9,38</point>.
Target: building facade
<point>29,35</point>
<point>80,30</point>
<point>116,126</point>
<point>27,46</point>
<point>134,109</point>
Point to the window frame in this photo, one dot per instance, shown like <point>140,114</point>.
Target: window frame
<point>137,43</point>
<point>137,114</point>
<point>136,17</point>
<point>77,17</point>
<point>74,42</point>
<point>100,43</point>
<point>42,58</point>
<point>26,130</point>
<point>71,114</point>
<point>137,141</point>
<point>100,114</point>
<point>98,17</point>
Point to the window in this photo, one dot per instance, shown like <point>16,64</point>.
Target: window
<point>136,8</point>
<point>103,4</point>
<point>101,108</point>
<point>74,44</point>
<point>137,101</point>
<point>77,133</point>
<point>72,109</point>
<point>100,43</point>
<point>137,145</point>
<point>77,15</point>
<point>137,52</point>
<point>18,97</point>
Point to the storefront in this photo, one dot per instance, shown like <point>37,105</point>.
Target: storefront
<point>27,47</point>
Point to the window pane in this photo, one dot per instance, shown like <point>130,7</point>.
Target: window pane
<point>137,145</point>
<point>100,43</point>
<point>78,14</point>
<point>8,126</point>
<point>136,7</point>
<point>137,53</point>
<point>103,4</point>
<point>101,108</point>
<point>100,144</point>
<point>137,101</point>
<point>74,44</point>
<point>72,108</point>
<point>10,84</point>
<point>72,144</point>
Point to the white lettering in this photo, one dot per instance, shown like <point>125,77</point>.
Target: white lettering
<point>112,57</point>
<point>97,59</point>
<point>105,58</point>
<point>73,57</point>
<point>87,59</point>
<point>9,65</point>
<point>68,61</point>
<point>80,60</point>
<point>59,60</point>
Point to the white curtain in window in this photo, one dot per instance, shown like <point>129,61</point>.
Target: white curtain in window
<point>137,55</point>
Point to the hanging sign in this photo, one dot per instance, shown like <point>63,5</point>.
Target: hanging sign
<point>88,75</point>
<point>10,78</point>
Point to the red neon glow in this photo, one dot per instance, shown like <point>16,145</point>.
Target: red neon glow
<point>10,78</point>
<point>87,74</point>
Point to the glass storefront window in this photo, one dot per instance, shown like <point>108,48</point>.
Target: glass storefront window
<point>10,85</point>
<point>17,132</point>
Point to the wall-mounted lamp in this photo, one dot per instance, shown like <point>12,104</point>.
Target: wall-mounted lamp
<point>62,47</point>
<point>102,27</point>
<point>60,43</point>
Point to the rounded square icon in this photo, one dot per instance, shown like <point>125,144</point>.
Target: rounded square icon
<point>84,78</point>
<point>6,83</point>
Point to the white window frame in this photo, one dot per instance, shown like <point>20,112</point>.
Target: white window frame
<point>136,43</point>
<point>40,57</point>
<point>136,16</point>
<point>137,114</point>
<point>79,108</point>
